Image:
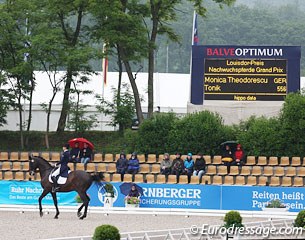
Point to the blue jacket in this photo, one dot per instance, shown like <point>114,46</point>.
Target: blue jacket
<point>189,164</point>
<point>121,165</point>
<point>133,164</point>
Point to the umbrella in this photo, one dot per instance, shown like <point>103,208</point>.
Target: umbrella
<point>232,145</point>
<point>81,142</point>
<point>126,187</point>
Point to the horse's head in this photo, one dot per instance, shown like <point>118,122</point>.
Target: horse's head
<point>33,165</point>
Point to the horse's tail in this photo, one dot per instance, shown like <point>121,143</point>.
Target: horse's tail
<point>97,177</point>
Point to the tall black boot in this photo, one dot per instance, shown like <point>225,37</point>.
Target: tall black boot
<point>55,184</point>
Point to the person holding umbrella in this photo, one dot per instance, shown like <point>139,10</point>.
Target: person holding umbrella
<point>133,192</point>
<point>227,157</point>
<point>85,154</point>
<point>74,153</point>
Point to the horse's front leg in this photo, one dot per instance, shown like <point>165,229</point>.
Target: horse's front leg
<point>55,204</point>
<point>44,193</point>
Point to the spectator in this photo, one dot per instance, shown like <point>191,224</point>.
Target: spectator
<point>165,166</point>
<point>133,191</point>
<point>239,156</point>
<point>121,165</point>
<point>227,157</point>
<point>189,166</point>
<point>177,166</point>
<point>85,154</point>
<point>199,166</point>
<point>75,153</point>
<point>133,165</point>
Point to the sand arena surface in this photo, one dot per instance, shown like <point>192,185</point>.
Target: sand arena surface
<point>30,226</point>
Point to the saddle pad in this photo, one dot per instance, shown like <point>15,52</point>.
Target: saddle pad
<point>61,180</point>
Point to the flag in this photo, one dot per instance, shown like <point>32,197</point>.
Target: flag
<point>105,65</point>
<point>195,40</point>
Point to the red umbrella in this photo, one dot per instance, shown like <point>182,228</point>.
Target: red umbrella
<point>80,142</point>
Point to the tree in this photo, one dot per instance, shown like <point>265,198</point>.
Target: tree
<point>121,109</point>
<point>119,25</point>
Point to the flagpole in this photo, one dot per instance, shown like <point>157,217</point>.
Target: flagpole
<point>195,41</point>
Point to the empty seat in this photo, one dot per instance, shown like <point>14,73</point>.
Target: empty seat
<point>14,156</point>
<point>208,159</point>
<point>108,157</point>
<point>262,181</point>
<point>8,175</point>
<point>155,168</point>
<point>206,179</point>
<point>211,170</point>
<point>245,171</point>
<point>151,158</point>
<point>183,179</point>
<point>222,170</point>
<point>194,180</point>
<point>160,179</point>
<point>19,176</point>
<point>4,156</point>
<point>1,175</point>
<point>111,168</point>
<point>116,177</point>
<point>291,172</point>
<point>97,157</point>
<point>161,157</point>
<point>138,178</point>
<point>250,161</point>
<point>286,182</point>
<point>144,168</point>
<point>80,166</point>
<point>240,180</point>
<point>279,171</point>
<point>274,181</point>
<point>268,171</point>
<point>217,160</point>
<point>127,177</point>
<point>284,161</point>
<point>101,167</point>
<point>234,171</point>
<point>90,167</point>
<point>217,180</point>
<point>141,158</point>
<point>273,161</point>
<point>107,177</point>
<point>172,179</point>
<point>45,155</point>
<point>16,166</point>
<point>228,180</point>
<point>301,172</point>
<point>6,166</point>
<point>298,182</point>
<point>150,178</point>
<point>262,161</point>
<point>256,171</point>
<point>37,154</point>
<point>295,161</point>
<point>24,156</point>
<point>251,181</point>
<point>55,156</point>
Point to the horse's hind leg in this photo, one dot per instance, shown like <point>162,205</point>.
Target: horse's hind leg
<point>44,193</point>
<point>55,204</point>
<point>79,210</point>
<point>86,200</point>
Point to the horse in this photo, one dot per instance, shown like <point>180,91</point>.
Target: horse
<point>78,181</point>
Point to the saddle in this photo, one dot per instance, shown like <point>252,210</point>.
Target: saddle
<point>61,178</point>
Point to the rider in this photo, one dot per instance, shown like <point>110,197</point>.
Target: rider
<point>62,167</point>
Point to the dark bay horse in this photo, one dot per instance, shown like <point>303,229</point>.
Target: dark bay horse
<point>78,181</point>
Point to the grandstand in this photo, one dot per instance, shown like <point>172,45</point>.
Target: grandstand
<point>258,170</point>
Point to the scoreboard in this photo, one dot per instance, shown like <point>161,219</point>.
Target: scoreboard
<point>245,79</point>
<point>244,73</point>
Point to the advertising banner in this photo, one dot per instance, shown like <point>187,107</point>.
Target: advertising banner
<point>180,196</point>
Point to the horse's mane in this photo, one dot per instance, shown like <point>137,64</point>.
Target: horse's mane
<point>41,158</point>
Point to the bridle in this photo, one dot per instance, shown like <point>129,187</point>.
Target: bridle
<point>31,169</point>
